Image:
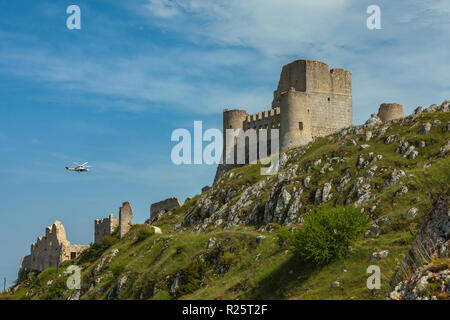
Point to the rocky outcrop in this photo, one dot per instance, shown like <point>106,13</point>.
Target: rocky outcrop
<point>432,242</point>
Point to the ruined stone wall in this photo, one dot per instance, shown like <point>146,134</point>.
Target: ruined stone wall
<point>51,250</point>
<point>104,227</point>
<point>390,111</point>
<point>125,216</point>
<point>165,205</point>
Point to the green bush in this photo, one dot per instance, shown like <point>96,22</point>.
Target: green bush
<point>191,278</point>
<point>97,249</point>
<point>144,234</point>
<point>326,234</point>
<point>118,269</point>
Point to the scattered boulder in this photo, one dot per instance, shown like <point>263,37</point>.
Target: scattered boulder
<point>411,213</point>
<point>436,123</point>
<point>175,284</point>
<point>260,238</point>
<point>418,110</point>
<point>444,149</point>
<point>390,139</point>
<point>403,190</point>
<point>394,177</point>
<point>364,146</point>
<point>335,284</point>
<point>380,255</point>
<point>373,121</point>
<point>211,243</point>
<point>306,181</point>
<point>425,128</point>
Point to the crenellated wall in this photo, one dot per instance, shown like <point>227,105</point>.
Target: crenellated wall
<point>104,227</point>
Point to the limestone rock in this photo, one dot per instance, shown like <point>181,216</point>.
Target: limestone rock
<point>335,284</point>
<point>306,181</point>
<point>175,284</point>
<point>260,238</point>
<point>394,177</point>
<point>380,255</point>
<point>418,110</point>
<point>411,213</point>
<point>390,139</point>
<point>326,192</point>
<point>444,149</point>
<point>373,121</point>
<point>425,128</point>
<point>403,190</point>
<point>436,123</point>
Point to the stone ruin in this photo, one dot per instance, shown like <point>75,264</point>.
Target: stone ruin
<point>159,208</point>
<point>50,250</point>
<point>125,216</point>
<point>105,227</point>
<point>205,188</point>
<point>390,111</point>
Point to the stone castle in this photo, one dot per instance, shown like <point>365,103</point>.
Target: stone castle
<point>51,250</point>
<point>311,101</point>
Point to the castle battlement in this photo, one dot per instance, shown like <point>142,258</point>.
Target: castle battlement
<point>311,100</point>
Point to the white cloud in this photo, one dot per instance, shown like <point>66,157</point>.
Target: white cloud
<point>404,62</point>
<point>242,46</point>
<point>162,8</point>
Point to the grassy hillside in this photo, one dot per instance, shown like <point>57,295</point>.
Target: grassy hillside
<point>211,247</point>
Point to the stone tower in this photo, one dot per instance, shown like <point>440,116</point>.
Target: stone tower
<point>390,111</point>
<point>125,216</point>
<point>314,101</point>
<point>295,119</point>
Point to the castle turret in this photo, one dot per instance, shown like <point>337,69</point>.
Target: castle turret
<point>295,128</point>
<point>232,119</point>
<point>390,111</point>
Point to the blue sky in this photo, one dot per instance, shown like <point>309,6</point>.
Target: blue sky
<point>113,92</point>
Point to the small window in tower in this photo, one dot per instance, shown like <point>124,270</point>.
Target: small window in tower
<point>300,125</point>
<point>73,255</point>
<point>329,99</point>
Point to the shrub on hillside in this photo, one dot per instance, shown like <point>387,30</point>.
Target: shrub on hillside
<point>326,234</point>
<point>96,250</point>
<point>144,234</point>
